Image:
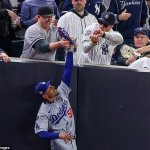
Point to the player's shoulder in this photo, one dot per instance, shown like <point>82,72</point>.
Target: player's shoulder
<point>45,108</point>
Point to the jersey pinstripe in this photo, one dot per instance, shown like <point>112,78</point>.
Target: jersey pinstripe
<point>102,52</point>
<point>143,62</point>
<point>75,26</point>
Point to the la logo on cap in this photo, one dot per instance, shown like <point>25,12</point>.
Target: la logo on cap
<point>140,29</point>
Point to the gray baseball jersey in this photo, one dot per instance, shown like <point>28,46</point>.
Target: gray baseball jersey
<point>57,117</point>
<point>75,26</point>
<point>35,33</point>
<point>102,52</point>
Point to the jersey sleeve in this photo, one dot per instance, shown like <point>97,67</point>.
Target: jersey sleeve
<point>33,35</point>
<point>41,123</point>
<point>63,90</point>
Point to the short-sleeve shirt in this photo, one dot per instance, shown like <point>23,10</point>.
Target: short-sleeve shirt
<point>35,33</point>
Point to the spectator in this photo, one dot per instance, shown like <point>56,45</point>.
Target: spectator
<point>75,21</point>
<point>29,10</point>
<point>131,14</point>
<point>95,7</point>
<point>100,40</point>
<point>42,39</point>
<point>4,56</point>
<point>7,16</point>
<point>141,39</point>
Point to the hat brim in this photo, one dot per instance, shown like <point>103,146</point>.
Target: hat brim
<point>140,32</point>
<point>106,22</point>
<point>47,84</point>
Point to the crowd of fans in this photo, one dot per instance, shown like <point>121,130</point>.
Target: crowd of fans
<point>100,27</point>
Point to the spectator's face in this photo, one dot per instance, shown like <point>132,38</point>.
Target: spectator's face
<point>45,21</point>
<point>79,5</point>
<point>140,40</point>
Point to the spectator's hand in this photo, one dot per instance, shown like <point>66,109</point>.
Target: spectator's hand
<point>130,60</point>
<point>66,137</point>
<point>13,15</point>
<point>64,43</point>
<point>139,50</point>
<point>4,57</point>
<point>96,35</point>
<point>98,32</point>
<point>124,16</point>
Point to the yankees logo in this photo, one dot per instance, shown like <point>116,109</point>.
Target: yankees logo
<point>104,48</point>
<point>97,9</point>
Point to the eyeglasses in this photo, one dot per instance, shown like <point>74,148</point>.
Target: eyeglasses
<point>104,24</point>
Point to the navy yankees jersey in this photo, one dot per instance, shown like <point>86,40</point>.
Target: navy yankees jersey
<point>57,117</point>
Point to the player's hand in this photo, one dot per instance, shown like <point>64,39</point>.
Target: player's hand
<point>4,57</point>
<point>66,137</point>
<point>124,16</point>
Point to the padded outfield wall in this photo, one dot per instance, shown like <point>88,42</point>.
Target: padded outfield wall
<point>111,106</point>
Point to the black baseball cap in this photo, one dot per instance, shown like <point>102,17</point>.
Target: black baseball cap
<point>141,30</point>
<point>45,11</point>
<point>108,18</point>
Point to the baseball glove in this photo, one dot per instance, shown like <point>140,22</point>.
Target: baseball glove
<point>127,52</point>
<point>64,34</point>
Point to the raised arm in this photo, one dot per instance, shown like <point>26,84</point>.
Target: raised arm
<point>66,78</point>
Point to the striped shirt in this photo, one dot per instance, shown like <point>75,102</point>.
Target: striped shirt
<point>102,52</point>
<point>143,62</point>
<point>75,26</point>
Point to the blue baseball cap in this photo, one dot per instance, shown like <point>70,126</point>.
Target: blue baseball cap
<point>141,30</point>
<point>108,18</point>
<point>41,87</point>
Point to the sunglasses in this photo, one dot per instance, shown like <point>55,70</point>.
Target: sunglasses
<point>104,24</point>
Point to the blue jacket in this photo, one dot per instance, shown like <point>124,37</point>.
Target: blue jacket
<point>30,7</point>
<point>139,11</point>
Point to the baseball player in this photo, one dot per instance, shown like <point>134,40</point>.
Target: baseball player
<point>55,120</point>
<point>99,41</point>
